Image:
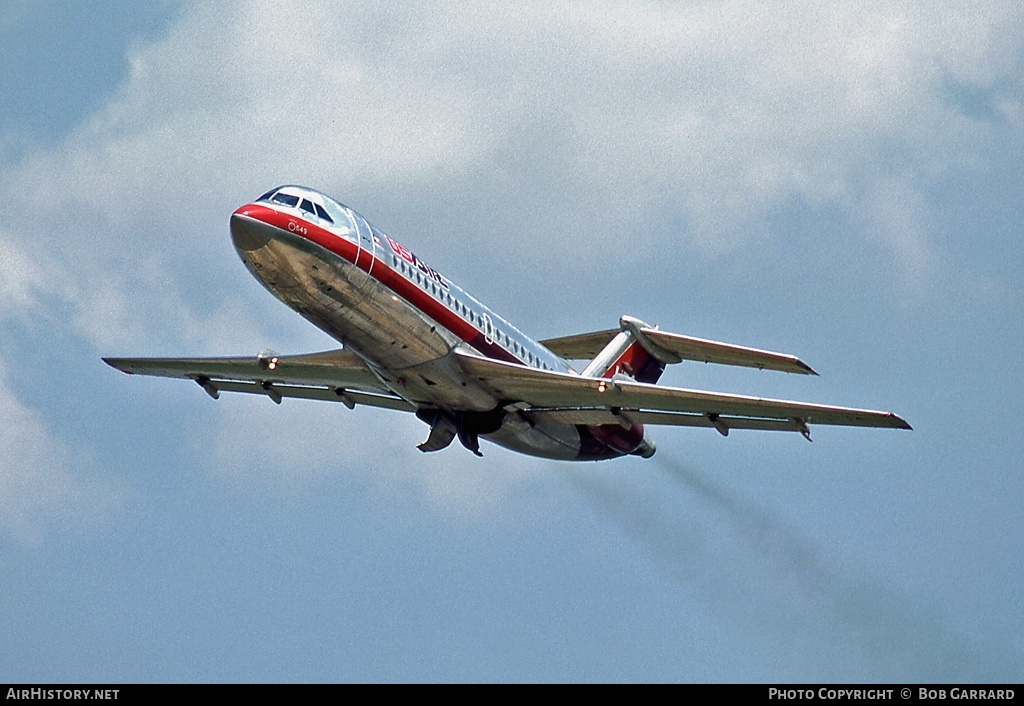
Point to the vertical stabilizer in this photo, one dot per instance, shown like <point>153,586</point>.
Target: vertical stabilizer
<point>626,354</point>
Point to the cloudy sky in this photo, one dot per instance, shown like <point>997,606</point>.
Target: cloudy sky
<point>838,181</point>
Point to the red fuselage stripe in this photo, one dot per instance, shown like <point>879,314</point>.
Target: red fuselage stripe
<point>381,271</point>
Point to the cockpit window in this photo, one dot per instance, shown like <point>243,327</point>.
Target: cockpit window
<point>338,216</point>
<point>286,199</point>
<point>322,213</point>
<point>314,204</point>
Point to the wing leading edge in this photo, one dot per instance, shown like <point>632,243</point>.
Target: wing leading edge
<point>332,376</point>
<point>573,399</point>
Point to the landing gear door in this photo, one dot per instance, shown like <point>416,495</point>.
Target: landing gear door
<point>366,254</point>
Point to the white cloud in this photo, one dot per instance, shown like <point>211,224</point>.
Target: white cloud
<point>43,481</point>
<point>294,447</point>
<point>556,134</point>
<point>898,219</point>
<point>588,121</point>
<point>26,278</point>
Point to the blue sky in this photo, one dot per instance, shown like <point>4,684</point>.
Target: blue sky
<point>842,183</point>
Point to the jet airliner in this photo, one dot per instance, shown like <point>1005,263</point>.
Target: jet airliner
<point>413,340</point>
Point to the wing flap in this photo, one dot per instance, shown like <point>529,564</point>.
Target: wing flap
<point>548,392</point>
<point>323,394</point>
<point>598,417</point>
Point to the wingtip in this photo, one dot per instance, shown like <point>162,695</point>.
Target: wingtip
<point>116,364</point>
<point>805,368</point>
<point>900,422</point>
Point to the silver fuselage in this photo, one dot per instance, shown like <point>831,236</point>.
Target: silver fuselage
<point>402,317</point>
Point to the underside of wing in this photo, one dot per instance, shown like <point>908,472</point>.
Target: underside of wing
<point>334,376</point>
<point>573,399</point>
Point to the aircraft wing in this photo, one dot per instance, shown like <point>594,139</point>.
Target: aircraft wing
<point>674,347</point>
<point>333,376</point>
<point>544,395</point>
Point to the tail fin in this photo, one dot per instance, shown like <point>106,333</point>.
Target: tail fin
<point>626,354</point>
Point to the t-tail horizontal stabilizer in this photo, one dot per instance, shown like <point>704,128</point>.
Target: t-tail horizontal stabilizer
<point>669,348</point>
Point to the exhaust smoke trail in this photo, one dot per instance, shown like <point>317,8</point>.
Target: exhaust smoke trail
<point>751,568</point>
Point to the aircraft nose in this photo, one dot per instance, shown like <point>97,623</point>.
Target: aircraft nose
<point>249,233</point>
